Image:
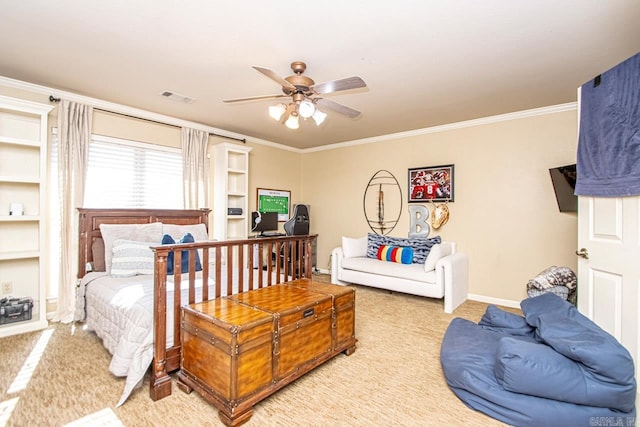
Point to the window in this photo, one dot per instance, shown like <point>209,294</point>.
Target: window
<point>126,174</point>
<point>120,174</point>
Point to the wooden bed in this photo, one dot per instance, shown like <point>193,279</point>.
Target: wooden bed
<point>239,260</point>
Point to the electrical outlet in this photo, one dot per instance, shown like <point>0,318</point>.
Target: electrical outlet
<point>7,287</point>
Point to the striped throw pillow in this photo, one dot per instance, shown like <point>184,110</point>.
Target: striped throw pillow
<point>399,254</point>
<point>131,258</point>
<point>420,246</point>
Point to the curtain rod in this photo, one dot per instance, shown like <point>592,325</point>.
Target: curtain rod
<point>243,140</point>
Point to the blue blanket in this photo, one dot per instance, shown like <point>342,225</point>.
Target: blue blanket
<point>609,138</point>
<point>554,367</point>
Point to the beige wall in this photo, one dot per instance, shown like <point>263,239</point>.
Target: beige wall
<point>504,216</point>
<point>119,126</point>
<point>275,169</point>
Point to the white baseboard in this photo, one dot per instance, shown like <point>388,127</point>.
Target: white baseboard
<point>495,301</point>
<point>473,297</point>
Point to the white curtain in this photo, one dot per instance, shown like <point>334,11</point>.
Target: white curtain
<point>74,135</point>
<point>195,170</point>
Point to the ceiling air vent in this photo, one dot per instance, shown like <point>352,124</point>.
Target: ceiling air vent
<point>177,97</point>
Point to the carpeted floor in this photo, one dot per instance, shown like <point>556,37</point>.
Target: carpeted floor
<point>60,376</point>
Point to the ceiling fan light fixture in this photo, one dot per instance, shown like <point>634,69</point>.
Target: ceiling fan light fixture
<point>318,117</point>
<point>306,109</point>
<point>292,122</point>
<point>276,111</point>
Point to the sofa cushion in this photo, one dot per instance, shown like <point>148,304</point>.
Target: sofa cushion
<point>404,271</point>
<point>421,247</point>
<point>401,254</point>
<point>439,250</point>
<point>354,247</point>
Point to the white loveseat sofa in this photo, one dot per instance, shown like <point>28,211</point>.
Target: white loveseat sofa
<point>444,274</point>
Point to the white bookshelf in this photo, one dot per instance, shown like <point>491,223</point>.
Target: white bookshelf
<point>23,178</point>
<point>230,190</point>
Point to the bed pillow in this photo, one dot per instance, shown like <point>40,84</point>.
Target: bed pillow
<point>198,231</point>
<point>151,233</point>
<point>439,250</point>
<point>420,246</point>
<point>398,254</point>
<point>97,249</point>
<point>131,258</point>
<point>353,248</point>
<point>187,238</point>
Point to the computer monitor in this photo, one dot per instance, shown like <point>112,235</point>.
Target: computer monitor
<point>264,221</point>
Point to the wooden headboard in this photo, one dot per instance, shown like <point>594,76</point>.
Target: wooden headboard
<point>90,220</point>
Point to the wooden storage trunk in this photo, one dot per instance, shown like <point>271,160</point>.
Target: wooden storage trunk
<point>303,317</point>
<point>228,347</point>
<point>344,315</point>
<point>239,349</point>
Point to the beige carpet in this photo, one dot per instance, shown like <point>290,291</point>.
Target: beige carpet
<point>60,376</point>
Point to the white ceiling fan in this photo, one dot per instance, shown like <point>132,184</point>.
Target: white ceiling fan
<point>305,96</point>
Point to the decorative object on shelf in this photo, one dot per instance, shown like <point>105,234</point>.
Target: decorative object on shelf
<point>304,92</point>
<point>419,222</point>
<point>279,201</point>
<point>382,202</point>
<point>431,183</point>
<point>440,215</point>
<point>16,209</point>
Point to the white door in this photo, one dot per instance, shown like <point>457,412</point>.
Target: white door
<point>609,269</point>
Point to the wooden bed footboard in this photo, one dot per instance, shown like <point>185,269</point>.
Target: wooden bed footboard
<point>256,262</point>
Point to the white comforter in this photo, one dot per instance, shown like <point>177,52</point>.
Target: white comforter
<point>120,311</point>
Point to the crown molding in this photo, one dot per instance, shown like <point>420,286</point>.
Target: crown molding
<point>135,112</point>
<point>458,125</point>
<point>172,121</point>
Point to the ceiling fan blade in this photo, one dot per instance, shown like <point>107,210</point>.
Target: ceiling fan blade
<point>252,98</point>
<point>337,85</point>
<point>339,108</point>
<point>273,76</point>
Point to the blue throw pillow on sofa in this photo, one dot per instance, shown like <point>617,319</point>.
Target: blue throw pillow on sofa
<point>187,238</point>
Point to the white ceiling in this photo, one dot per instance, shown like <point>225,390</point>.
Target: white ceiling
<point>425,62</point>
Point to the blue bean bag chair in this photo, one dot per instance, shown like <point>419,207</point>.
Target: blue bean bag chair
<point>552,367</point>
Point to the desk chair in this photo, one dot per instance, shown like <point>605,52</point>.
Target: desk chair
<point>298,224</point>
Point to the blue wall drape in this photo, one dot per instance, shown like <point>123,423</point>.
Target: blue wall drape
<point>609,136</point>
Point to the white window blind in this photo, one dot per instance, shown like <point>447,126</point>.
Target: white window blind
<point>120,174</point>
<point>127,174</point>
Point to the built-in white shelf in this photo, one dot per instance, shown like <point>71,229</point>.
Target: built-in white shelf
<point>23,178</point>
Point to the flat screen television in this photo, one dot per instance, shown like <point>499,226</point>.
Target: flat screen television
<point>564,185</point>
<point>262,222</point>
